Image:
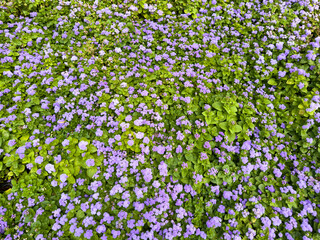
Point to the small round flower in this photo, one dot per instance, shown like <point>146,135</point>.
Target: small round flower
<point>50,168</point>
<point>11,143</point>
<point>83,145</point>
<point>63,177</point>
<point>101,229</point>
<point>65,142</point>
<point>123,85</point>
<point>39,159</point>
<point>139,135</point>
<point>130,142</point>
<point>118,50</point>
<point>90,162</point>
<point>74,58</point>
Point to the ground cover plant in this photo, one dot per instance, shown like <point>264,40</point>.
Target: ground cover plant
<point>160,119</point>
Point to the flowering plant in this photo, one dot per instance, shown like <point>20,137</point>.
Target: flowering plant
<point>118,121</point>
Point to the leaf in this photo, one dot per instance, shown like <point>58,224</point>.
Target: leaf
<point>290,81</point>
<point>190,157</point>
<point>91,172</point>
<point>24,138</point>
<point>217,105</point>
<point>231,136</point>
<point>261,187</point>
<point>71,179</point>
<point>237,128</point>
<point>92,149</point>
<point>76,170</point>
<point>5,134</point>
<point>80,214</point>
<point>272,81</point>
<point>224,125</point>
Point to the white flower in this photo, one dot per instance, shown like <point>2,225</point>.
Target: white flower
<point>152,8</point>
<point>123,85</point>
<point>102,53</point>
<point>142,48</point>
<point>139,135</point>
<point>133,8</point>
<point>169,5</point>
<point>74,58</point>
<point>117,50</point>
<point>83,145</point>
<point>27,111</point>
<point>115,101</point>
<point>50,168</point>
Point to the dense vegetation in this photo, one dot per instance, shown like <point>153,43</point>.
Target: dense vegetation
<point>160,119</point>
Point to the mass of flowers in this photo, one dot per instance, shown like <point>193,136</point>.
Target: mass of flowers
<point>143,119</point>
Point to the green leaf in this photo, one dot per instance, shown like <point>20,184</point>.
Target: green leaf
<point>92,149</point>
<point>71,179</point>
<point>272,81</point>
<point>80,214</point>
<point>5,134</point>
<point>237,128</point>
<point>231,136</point>
<point>91,171</point>
<point>261,187</point>
<point>217,105</point>
<point>190,157</point>
<point>224,125</point>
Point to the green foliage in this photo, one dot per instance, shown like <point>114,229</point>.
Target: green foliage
<point>221,103</point>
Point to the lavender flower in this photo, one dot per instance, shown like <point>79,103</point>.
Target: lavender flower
<point>83,145</point>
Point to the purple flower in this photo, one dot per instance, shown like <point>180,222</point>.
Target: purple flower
<point>139,135</point>
<point>83,145</point>
<point>251,233</point>
<point>279,45</point>
<point>63,177</point>
<point>101,229</point>
<point>130,142</point>
<point>163,169</point>
<point>39,159</point>
<point>117,50</point>
<point>11,143</point>
<point>88,234</point>
<point>305,225</point>
<point>273,61</point>
<point>259,210</point>
<point>50,168</point>
<point>309,140</point>
<point>214,222</point>
<point>156,184</point>
<point>161,149</point>
<point>115,233</point>
<point>146,140</point>
<point>65,142</point>
<point>78,232</point>
<point>74,58</point>
<point>301,85</point>
<point>276,221</point>
<point>282,73</point>
<point>21,150</point>
<point>227,195</point>
<point>99,132</point>
<point>179,149</point>
<point>246,145</point>
<point>147,174</point>
<point>221,209</point>
<point>90,162</point>
<point>40,237</point>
